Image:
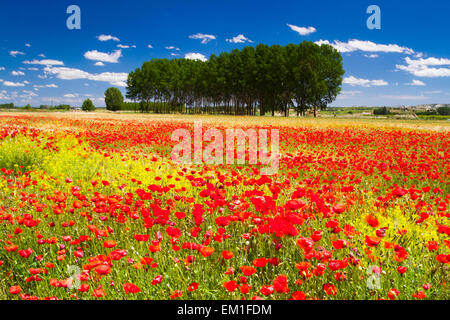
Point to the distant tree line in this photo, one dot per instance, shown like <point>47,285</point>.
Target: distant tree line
<point>441,111</point>
<point>7,106</point>
<point>265,79</point>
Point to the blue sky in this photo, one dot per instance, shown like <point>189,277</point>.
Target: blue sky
<point>406,62</point>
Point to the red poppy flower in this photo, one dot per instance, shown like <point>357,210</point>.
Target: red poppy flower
<point>227,254</point>
<point>158,279</point>
<point>372,241</point>
<point>206,251</point>
<point>248,271</point>
<point>267,290</point>
<point>260,262</point>
<point>330,289</point>
<point>280,284</point>
<point>131,288</point>
<point>393,294</point>
<point>142,237</point>
<point>372,221</point>
<point>193,286</point>
<point>245,288</point>
<point>230,285</point>
<point>15,289</point>
<point>298,295</point>
<point>102,269</point>
<point>99,292</point>
<point>109,244</point>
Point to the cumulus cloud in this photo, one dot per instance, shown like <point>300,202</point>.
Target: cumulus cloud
<point>195,56</point>
<point>16,53</point>
<point>240,38</point>
<point>17,73</point>
<point>64,73</point>
<point>27,45</point>
<point>204,37</point>
<point>104,37</point>
<point>99,64</point>
<point>430,67</point>
<point>112,57</point>
<point>14,84</point>
<point>371,56</point>
<point>2,68</point>
<point>365,46</point>
<point>353,81</point>
<point>150,46</point>
<point>303,31</point>
<point>45,62</point>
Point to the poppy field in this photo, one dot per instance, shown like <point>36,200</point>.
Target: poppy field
<point>94,208</point>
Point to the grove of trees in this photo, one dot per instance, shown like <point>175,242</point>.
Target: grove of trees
<point>262,79</point>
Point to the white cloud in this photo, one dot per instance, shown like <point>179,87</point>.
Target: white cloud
<point>303,31</point>
<point>27,45</point>
<point>371,56</point>
<point>51,85</point>
<point>363,82</point>
<point>195,56</point>
<point>150,46</point>
<point>172,48</point>
<point>45,62</point>
<point>2,68</point>
<point>125,46</point>
<point>41,55</point>
<point>204,37</point>
<point>28,94</point>
<point>64,73</point>
<point>240,38</point>
<point>16,53</point>
<point>344,94</point>
<point>416,83</point>
<point>14,84</point>
<point>427,67</point>
<point>3,95</point>
<point>99,64</point>
<point>70,95</point>
<point>17,73</point>
<point>366,46</point>
<point>104,37</point>
<point>104,57</point>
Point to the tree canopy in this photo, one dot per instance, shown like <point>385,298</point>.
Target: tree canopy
<point>262,78</point>
<point>113,99</point>
<point>88,105</point>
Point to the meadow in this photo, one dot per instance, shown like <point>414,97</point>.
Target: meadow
<point>92,207</point>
